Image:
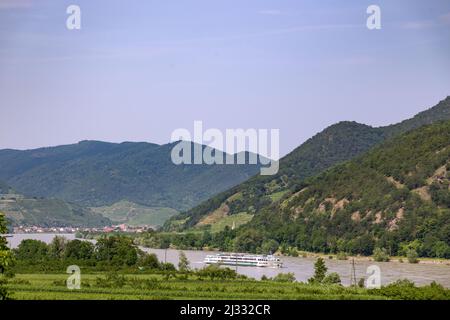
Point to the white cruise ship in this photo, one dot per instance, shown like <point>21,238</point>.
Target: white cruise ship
<point>240,259</point>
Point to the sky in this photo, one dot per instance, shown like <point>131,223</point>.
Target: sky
<point>139,69</point>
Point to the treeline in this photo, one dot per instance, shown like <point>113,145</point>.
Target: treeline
<point>396,197</point>
<point>108,253</point>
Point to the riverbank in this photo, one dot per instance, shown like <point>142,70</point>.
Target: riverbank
<point>396,259</point>
<point>302,267</point>
<point>329,256</point>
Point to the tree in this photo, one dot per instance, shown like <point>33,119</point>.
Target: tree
<point>270,246</point>
<point>79,250</point>
<point>441,249</point>
<point>332,278</point>
<point>320,271</point>
<point>117,251</point>
<point>215,272</point>
<point>6,258</point>
<point>248,241</point>
<point>284,277</point>
<point>380,255</point>
<point>183,264</point>
<point>57,247</point>
<point>149,260</point>
<point>412,256</point>
<point>33,251</point>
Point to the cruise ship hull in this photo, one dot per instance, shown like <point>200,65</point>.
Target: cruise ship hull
<point>244,260</point>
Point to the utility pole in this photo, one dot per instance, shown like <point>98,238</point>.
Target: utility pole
<point>353,281</point>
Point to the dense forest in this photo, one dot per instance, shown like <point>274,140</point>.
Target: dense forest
<point>95,173</point>
<point>336,144</point>
<point>395,197</point>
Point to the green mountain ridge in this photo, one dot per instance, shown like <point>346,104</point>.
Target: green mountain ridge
<point>94,174</point>
<point>336,144</point>
<point>396,196</point>
<point>28,211</point>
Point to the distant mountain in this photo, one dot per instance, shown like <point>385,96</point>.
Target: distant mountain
<point>94,173</point>
<point>396,196</point>
<point>134,214</point>
<point>337,143</point>
<point>22,210</point>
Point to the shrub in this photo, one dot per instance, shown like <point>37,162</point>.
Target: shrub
<point>412,256</point>
<point>183,264</point>
<point>269,246</point>
<point>111,280</point>
<point>332,278</point>
<point>284,277</point>
<point>150,261</point>
<point>380,255</point>
<point>361,283</point>
<point>341,256</point>
<point>215,272</point>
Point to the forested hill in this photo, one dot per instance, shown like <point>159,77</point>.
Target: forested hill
<point>337,143</point>
<point>94,173</point>
<point>22,210</point>
<point>396,196</point>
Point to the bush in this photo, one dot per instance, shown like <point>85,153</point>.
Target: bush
<point>183,264</point>
<point>150,261</point>
<point>270,246</point>
<point>332,278</point>
<point>380,255</point>
<point>341,256</point>
<point>112,280</point>
<point>412,256</point>
<point>361,283</point>
<point>284,277</point>
<point>215,272</point>
<point>405,289</point>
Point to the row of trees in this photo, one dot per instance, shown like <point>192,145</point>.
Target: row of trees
<point>226,240</point>
<point>6,258</point>
<point>113,252</point>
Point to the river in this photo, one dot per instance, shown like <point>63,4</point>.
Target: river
<point>303,268</point>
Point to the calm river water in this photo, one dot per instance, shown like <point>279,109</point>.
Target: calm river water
<point>303,268</point>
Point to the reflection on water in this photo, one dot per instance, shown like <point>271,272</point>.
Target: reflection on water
<point>303,268</point>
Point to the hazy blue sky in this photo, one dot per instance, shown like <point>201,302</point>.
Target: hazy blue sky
<point>137,70</point>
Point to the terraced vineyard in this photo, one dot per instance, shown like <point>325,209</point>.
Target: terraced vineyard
<point>157,286</point>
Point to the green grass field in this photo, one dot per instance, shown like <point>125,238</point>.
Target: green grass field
<point>52,286</point>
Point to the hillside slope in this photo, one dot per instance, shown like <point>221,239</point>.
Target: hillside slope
<point>22,210</point>
<point>134,214</point>
<point>335,144</point>
<point>93,173</point>
<point>396,195</point>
